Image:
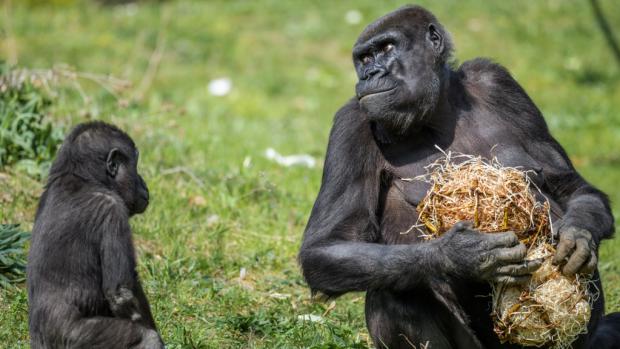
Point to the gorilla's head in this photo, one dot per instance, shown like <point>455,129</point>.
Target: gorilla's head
<point>400,60</point>
<point>104,157</point>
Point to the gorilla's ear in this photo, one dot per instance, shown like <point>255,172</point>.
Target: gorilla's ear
<point>435,38</point>
<point>112,162</point>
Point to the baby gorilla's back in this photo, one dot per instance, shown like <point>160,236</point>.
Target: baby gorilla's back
<point>82,285</point>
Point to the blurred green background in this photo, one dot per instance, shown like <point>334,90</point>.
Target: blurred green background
<point>217,247</point>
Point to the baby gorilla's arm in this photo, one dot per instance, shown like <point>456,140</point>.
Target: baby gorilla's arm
<point>124,304</point>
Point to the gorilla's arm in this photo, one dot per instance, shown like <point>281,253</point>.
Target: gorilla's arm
<point>584,206</point>
<point>119,280</point>
<point>587,215</point>
<point>339,253</point>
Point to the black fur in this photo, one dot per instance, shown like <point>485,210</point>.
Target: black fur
<point>83,288</point>
<point>409,99</point>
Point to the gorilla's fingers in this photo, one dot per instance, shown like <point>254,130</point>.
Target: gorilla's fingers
<point>135,317</point>
<point>461,226</point>
<point>506,239</point>
<point>565,247</point>
<point>525,268</point>
<point>511,255</point>
<point>578,258</point>
<point>488,262</point>
<point>588,269</point>
<point>512,280</point>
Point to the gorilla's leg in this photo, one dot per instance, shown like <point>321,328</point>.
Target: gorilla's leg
<point>105,332</point>
<point>413,319</point>
<point>607,334</point>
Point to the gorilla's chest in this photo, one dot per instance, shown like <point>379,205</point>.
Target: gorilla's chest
<point>401,192</point>
<point>406,167</point>
<point>403,189</point>
<point>409,187</point>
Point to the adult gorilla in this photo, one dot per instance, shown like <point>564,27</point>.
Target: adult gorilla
<point>409,99</point>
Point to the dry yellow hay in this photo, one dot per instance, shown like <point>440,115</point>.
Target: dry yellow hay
<point>552,309</point>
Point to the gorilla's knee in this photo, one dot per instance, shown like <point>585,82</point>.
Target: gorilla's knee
<point>607,334</point>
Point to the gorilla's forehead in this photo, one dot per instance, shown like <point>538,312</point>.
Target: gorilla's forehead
<point>408,20</point>
<point>98,140</point>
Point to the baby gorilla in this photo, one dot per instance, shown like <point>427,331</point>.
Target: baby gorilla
<point>83,288</point>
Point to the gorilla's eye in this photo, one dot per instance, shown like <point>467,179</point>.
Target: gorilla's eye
<point>388,47</point>
<point>366,59</point>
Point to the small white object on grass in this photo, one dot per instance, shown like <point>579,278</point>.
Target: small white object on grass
<point>242,273</point>
<point>311,318</point>
<point>353,17</point>
<point>290,160</point>
<point>220,87</point>
<point>280,295</point>
<point>213,219</point>
<point>247,162</point>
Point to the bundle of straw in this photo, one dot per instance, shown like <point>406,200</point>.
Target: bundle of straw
<point>552,309</point>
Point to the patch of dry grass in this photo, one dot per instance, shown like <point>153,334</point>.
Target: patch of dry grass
<point>551,309</point>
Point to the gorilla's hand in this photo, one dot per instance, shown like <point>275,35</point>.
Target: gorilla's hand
<point>576,248</point>
<point>124,304</point>
<point>497,257</point>
<point>150,340</point>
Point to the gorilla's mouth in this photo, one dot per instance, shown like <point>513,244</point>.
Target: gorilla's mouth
<point>375,93</point>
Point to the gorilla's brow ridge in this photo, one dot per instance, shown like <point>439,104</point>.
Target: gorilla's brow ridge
<point>375,42</point>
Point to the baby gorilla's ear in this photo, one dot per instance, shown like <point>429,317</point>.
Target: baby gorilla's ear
<point>112,162</point>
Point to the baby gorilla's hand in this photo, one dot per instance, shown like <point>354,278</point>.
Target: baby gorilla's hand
<point>124,304</point>
<point>491,257</point>
<point>150,340</point>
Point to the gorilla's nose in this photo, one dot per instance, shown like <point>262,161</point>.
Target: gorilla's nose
<point>376,70</point>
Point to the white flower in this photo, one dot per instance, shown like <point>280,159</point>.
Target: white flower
<point>220,87</point>
<point>353,17</point>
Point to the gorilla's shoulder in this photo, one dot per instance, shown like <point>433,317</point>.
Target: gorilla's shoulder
<point>103,204</point>
<point>350,119</point>
<point>351,131</point>
<point>350,113</point>
<point>492,85</point>
<point>484,72</point>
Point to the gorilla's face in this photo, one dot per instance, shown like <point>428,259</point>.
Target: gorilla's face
<point>122,167</point>
<point>399,72</point>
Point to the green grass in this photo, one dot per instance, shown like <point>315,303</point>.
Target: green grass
<point>290,65</point>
